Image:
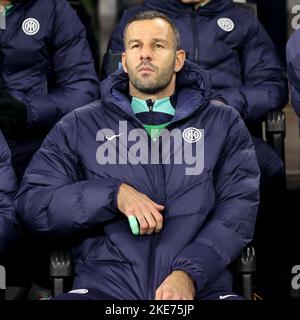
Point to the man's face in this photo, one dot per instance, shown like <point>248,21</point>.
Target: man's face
<point>150,58</point>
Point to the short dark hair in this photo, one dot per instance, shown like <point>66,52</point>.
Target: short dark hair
<point>150,15</point>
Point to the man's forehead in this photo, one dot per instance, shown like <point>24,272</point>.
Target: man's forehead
<point>154,28</point>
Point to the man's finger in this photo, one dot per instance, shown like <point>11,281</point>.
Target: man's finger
<point>151,223</point>
<point>143,224</point>
<point>156,216</point>
<point>146,212</point>
<point>159,220</point>
<point>158,206</point>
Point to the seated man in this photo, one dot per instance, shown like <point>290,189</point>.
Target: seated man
<point>156,151</point>
<point>46,70</point>
<point>293,66</point>
<point>9,227</point>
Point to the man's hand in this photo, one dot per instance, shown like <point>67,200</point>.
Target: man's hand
<point>131,202</point>
<point>177,286</point>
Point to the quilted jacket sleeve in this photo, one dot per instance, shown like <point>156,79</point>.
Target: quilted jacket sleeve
<point>55,198</point>
<point>76,81</point>
<point>9,227</point>
<point>231,224</point>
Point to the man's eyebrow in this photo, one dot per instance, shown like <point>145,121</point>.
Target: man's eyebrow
<point>154,39</point>
<point>134,40</point>
<point>160,40</point>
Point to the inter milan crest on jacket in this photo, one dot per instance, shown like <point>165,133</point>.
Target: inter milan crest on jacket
<point>30,26</point>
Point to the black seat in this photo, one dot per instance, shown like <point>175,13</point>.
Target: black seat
<point>244,269</point>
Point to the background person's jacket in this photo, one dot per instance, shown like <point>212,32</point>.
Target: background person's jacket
<point>45,61</point>
<point>245,69</point>
<point>208,218</point>
<point>10,230</point>
<point>293,65</point>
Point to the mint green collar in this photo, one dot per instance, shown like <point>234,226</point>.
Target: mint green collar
<point>163,105</point>
<point>7,9</point>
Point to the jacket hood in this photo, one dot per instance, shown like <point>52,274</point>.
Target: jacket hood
<point>176,7</point>
<point>193,90</point>
<point>22,2</point>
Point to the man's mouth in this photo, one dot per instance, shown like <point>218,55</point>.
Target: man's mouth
<point>145,69</point>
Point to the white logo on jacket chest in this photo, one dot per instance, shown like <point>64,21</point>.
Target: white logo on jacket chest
<point>191,135</point>
<point>30,26</point>
<point>226,24</point>
<point>79,291</point>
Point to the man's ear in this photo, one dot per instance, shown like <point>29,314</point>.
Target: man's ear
<point>124,61</point>
<point>180,58</point>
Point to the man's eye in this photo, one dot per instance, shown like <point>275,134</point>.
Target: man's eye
<point>157,45</point>
<point>134,46</point>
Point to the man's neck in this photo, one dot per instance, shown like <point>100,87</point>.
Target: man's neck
<point>152,97</point>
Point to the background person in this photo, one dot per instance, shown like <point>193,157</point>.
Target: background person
<point>46,70</point>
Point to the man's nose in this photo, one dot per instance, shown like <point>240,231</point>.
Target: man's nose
<point>146,53</point>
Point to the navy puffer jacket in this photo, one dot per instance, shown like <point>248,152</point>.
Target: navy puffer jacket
<point>208,218</point>
<point>45,60</point>
<point>229,42</point>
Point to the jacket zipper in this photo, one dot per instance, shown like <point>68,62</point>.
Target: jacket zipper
<point>155,236</point>
<point>150,105</point>
<point>196,40</point>
<point>153,240</point>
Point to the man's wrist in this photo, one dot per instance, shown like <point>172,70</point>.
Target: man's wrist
<point>184,274</point>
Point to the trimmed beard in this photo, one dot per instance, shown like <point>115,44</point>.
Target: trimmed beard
<point>152,87</point>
